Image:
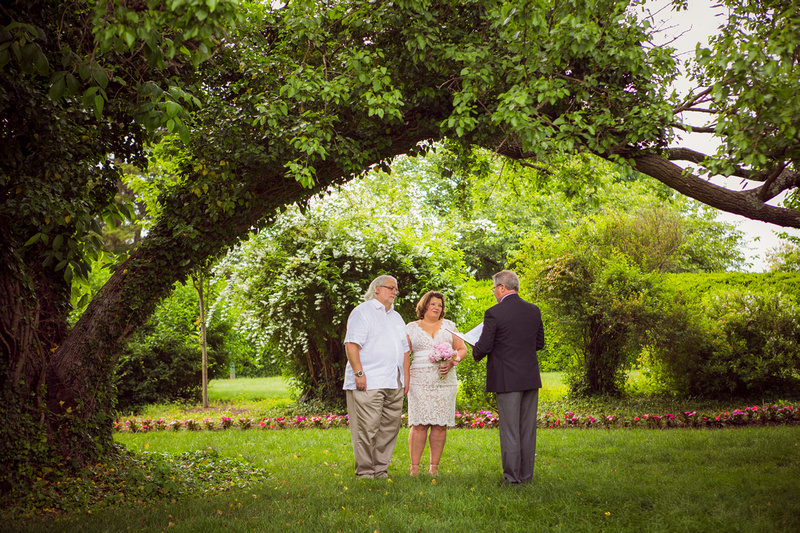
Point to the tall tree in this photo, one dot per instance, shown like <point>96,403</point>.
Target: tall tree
<point>300,97</point>
<point>84,85</point>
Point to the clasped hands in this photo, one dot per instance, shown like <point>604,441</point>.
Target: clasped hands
<point>444,369</point>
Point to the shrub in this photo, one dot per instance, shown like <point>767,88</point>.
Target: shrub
<point>162,361</point>
<point>159,366</point>
<point>729,344</point>
<point>472,395</point>
<point>602,304</point>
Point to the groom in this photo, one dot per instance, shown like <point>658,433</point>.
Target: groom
<point>512,333</point>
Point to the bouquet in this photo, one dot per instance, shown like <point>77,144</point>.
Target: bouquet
<point>442,353</point>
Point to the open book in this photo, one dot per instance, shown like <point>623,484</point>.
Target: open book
<point>470,337</point>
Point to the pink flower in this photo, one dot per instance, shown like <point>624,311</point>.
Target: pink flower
<point>442,352</point>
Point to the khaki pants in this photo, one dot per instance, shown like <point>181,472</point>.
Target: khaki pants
<point>375,417</point>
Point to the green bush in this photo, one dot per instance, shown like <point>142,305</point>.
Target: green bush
<point>158,366</point>
<point>162,361</point>
<point>729,344</point>
<point>472,395</point>
<point>699,284</point>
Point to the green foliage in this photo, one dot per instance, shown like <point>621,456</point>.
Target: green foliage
<point>126,479</point>
<point>162,361</point>
<point>67,98</point>
<point>493,203</point>
<point>21,438</point>
<point>729,342</point>
<point>601,282</point>
<point>301,277</point>
<point>785,257</point>
<point>751,67</point>
<point>472,395</point>
<point>698,285</point>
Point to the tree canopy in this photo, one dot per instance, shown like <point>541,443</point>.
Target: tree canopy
<point>272,104</point>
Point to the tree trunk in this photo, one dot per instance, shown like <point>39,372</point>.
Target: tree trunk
<point>32,325</point>
<point>198,279</point>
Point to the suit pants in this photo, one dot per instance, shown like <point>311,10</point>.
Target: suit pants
<point>517,412</point>
<point>375,417</point>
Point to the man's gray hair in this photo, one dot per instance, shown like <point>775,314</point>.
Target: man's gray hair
<point>507,278</point>
<point>380,280</point>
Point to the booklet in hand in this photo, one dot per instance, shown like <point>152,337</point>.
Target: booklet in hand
<point>470,337</point>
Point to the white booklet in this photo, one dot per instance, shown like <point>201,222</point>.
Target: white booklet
<point>470,337</point>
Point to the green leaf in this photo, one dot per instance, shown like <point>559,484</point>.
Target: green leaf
<point>99,75</point>
<point>172,108</point>
<point>183,132</point>
<point>98,107</point>
<point>73,86</point>
<point>34,239</point>
<point>58,88</point>
<point>130,37</point>
<point>40,61</point>
<point>83,301</point>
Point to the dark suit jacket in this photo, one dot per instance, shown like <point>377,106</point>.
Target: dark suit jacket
<point>512,333</point>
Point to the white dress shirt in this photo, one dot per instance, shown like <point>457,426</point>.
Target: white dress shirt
<point>381,337</point>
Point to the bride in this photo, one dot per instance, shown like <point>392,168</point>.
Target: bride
<point>432,388</point>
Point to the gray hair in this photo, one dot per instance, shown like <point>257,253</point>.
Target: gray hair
<point>380,280</point>
<point>507,278</point>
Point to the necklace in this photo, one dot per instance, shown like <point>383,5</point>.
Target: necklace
<point>428,323</point>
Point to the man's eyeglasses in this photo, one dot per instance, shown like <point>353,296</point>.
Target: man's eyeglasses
<point>393,289</point>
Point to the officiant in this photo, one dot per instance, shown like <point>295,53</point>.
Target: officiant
<point>512,333</point>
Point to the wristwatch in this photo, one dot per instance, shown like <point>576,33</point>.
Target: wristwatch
<point>359,373</point>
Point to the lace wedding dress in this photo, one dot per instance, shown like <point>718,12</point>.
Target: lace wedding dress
<point>430,400</point>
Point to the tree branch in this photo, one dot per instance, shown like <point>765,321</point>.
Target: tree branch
<point>692,156</point>
<point>695,129</point>
<point>692,101</point>
<point>746,203</point>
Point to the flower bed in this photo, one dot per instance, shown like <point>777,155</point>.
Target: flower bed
<point>749,416</point>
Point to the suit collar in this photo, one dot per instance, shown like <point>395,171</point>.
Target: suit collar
<point>509,295</point>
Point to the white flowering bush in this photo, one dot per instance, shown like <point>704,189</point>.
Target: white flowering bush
<point>299,279</point>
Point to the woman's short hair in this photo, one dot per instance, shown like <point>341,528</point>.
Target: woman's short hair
<point>423,303</point>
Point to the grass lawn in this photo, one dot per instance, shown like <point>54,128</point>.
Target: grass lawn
<point>249,389</point>
<point>585,480</point>
<point>738,480</point>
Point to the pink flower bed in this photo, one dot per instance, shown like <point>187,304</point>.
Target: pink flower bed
<point>749,416</point>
